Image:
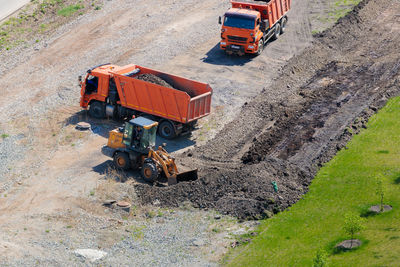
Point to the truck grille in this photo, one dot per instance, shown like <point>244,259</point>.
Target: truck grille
<point>237,39</point>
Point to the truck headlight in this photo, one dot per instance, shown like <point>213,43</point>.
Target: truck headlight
<point>251,46</point>
<point>223,43</point>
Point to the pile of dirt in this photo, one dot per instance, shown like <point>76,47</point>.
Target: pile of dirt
<point>151,78</point>
<point>241,191</point>
<point>323,103</point>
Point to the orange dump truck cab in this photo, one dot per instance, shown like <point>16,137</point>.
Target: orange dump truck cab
<point>113,91</point>
<point>248,25</point>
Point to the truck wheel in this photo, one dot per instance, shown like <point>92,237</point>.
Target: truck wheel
<point>97,110</point>
<point>260,47</point>
<point>122,161</point>
<point>149,172</point>
<point>167,130</point>
<point>283,25</point>
<point>277,31</point>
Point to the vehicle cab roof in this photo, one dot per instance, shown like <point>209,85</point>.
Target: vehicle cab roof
<point>143,122</point>
<point>242,12</point>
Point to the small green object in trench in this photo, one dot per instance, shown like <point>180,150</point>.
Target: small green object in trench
<point>275,186</point>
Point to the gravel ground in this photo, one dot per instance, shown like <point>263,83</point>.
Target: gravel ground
<point>58,168</point>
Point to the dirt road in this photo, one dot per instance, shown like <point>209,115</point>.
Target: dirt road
<point>51,175</point>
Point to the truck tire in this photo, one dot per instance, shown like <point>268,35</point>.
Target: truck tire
<point>166,130</point>
<point>283,25</point>
<point>277,31</point>
<point>260,47</point>
<point>97,110</point>
<point>122,161</point>
<point>149,172</point>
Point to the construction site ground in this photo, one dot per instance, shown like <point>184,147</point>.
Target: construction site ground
<point>275,118</point>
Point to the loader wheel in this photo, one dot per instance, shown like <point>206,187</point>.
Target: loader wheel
<point>97,110</point>
<point>260,47</point>
<point>167,130</point>
<point>277,31</point>
<point>149,172</point>
<point>283,25</point>
<point>122,161</point>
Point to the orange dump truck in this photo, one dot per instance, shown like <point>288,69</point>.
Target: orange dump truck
<point>248,25</point>
<point>118,92</point>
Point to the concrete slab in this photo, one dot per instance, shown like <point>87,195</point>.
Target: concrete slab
<point>8,7</point>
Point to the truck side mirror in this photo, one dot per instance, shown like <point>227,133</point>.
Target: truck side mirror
<point>219,20</point>
<point>80,78</point>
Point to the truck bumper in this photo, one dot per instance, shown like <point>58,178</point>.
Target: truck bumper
<point>108,151</point>
<point>239,49</point>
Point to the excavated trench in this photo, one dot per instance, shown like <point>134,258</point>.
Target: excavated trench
<point>326,95</point>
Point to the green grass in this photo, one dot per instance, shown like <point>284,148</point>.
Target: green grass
<point>344,185</point>
<point>69,10</point>
<point>335,11</point>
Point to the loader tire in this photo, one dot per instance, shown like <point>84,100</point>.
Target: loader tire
<point>122,161</point>
<point>167,130</point>
<point>277,31</point>
<point>149,172</point>
<point>97,110</point>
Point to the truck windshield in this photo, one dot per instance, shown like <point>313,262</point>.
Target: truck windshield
<point>239,22</point>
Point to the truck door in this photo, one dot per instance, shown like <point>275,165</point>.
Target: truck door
<point>91,84</point>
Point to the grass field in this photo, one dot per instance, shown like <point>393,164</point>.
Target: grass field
<point>344,185</point>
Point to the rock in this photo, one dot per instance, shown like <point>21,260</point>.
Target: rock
<point>240,231</point>
<point>348,244</point>
<point>198,242</point>
<point>82,126</point>
<point>268,214</point>
<point>377,208</point>
<point>109,202</point>
<point>90,254</point>
<point>217,217</point>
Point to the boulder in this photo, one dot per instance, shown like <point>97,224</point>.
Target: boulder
<point>90,254</point>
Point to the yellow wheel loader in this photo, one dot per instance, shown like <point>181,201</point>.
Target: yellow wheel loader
<point>132,147</point>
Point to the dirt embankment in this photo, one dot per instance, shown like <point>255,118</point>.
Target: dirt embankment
<point>326,95</point>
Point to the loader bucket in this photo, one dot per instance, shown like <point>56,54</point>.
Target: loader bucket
<point>183,177</point>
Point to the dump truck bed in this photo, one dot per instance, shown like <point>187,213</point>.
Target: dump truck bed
<point>273,10</point>
<point>187,101</point>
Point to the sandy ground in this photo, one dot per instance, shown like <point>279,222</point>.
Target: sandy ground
<point>51,172</point>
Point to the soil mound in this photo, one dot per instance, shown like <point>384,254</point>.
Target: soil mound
<point>151,78</point>
<point>322,98</point>
<point>245,192</point>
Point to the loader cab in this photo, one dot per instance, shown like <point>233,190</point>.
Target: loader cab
<point>140,134</point>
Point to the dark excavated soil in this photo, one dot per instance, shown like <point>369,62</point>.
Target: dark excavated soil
<point>151,78</point>
<point>323,97</point>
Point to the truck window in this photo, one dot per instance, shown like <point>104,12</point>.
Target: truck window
<point>239,22</point>
<point>92,82</point>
